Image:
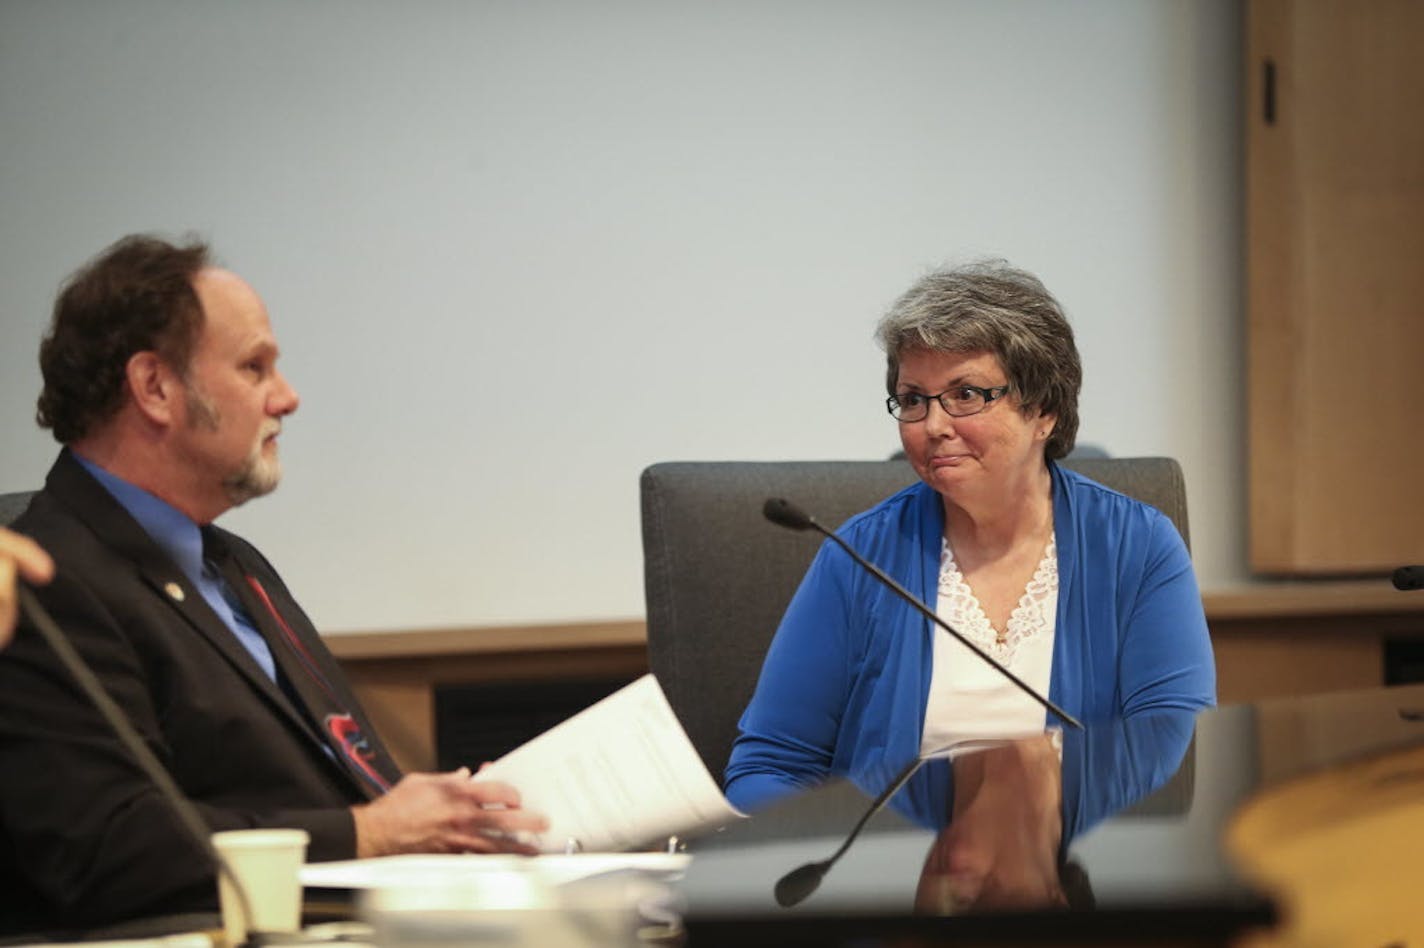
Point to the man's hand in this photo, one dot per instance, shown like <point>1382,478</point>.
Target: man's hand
<point>23,555</point>
<point>445,813</point>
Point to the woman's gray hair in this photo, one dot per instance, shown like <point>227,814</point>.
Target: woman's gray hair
<point>989,306</point>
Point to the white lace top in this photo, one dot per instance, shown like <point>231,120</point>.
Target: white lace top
<point>969,700</point>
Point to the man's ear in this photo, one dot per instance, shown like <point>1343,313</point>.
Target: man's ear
<point>155,388</point>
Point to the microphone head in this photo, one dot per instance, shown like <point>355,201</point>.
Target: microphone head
<point>796,885</point>
<point>784,513</point>
<point>1405,578</point>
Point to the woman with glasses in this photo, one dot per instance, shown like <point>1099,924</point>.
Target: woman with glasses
<point>1084,594</point>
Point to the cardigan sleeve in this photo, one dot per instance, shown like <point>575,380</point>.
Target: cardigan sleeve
<point>789,729</point>
<point>1166,658</point>
<point>1165,675</point>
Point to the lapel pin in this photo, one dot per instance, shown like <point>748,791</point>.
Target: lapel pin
<point>175,592</point>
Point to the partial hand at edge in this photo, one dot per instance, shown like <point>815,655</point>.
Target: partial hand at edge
<point>18,554</point>
<point>445,813</point>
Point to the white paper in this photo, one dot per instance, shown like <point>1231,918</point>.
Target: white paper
<point>618,775</point>
<point>183,940</point>
<point>392,871</point>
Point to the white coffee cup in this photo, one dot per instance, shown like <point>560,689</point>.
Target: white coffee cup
<point>267,863</point>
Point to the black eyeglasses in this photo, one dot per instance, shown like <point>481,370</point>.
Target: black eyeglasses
<point>958,401</point>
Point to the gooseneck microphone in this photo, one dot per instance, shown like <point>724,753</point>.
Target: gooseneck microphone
<point>784,513</point>
<point>799,883</point>
<point>1408,577</point>
<point>116,719</point>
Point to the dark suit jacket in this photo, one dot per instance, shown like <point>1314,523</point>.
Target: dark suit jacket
<point>85,838</point>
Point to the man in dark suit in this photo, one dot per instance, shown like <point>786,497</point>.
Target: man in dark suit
<point>161,381</point>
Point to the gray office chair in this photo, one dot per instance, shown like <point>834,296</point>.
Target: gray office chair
<point>12,505</point>
<point>718,576</point>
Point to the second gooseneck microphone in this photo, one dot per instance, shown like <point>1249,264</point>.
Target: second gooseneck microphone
<point>797,884</point>
<point>784,513</point>
<point>1408,577</point>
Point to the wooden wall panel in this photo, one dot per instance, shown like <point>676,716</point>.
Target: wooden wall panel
<point>1335,285</point>
<point>1271,641</point>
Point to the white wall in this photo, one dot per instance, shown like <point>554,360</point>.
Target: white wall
<point>515,252</point>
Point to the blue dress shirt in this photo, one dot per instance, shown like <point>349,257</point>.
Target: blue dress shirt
<point>182,540</point>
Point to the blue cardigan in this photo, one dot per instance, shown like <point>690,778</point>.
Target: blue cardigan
<point>845,683</point>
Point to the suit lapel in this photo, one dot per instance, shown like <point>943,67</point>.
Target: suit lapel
<point>112,524</point>
<point>190,604</point>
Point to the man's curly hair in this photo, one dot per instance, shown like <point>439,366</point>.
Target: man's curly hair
<point>136,296</point>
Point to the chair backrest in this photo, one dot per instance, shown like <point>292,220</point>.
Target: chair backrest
<point>1155,481</point>
<point>12,505</point>
<point>717,576</point>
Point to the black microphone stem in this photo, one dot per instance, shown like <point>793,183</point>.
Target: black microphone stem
<point>930,614</point>
<point>149,764</point>
<point>879,804</point>
<point>797,884</point>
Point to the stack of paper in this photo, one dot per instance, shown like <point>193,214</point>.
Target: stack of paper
<point>619,775</point>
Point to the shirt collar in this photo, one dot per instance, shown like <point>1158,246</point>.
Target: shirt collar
<point>169,527</point>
